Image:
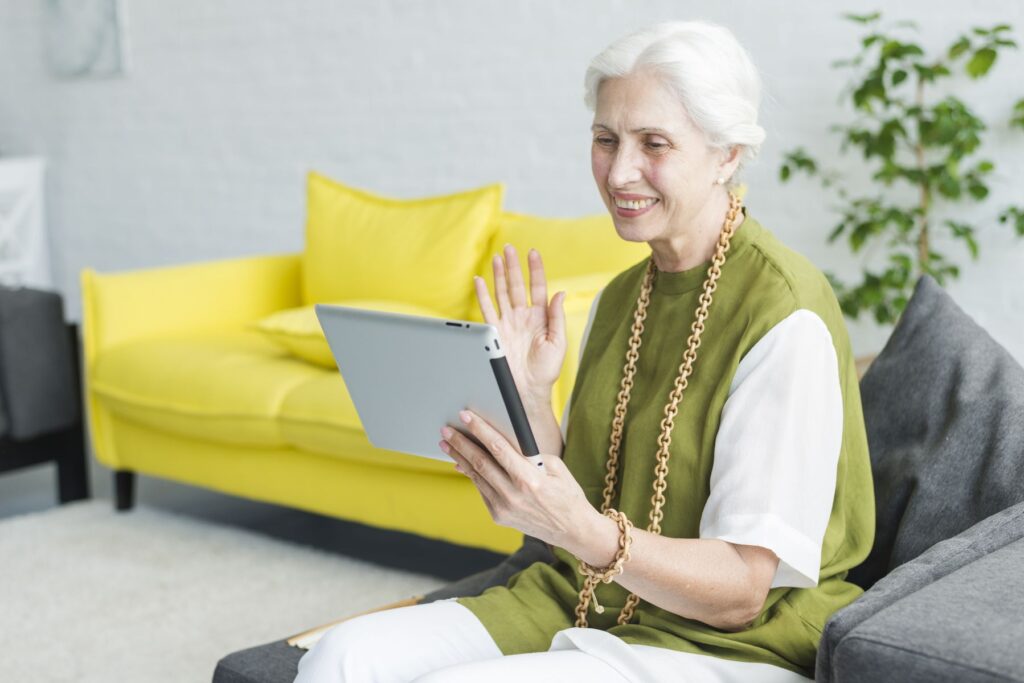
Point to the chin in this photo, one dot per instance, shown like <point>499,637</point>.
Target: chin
<point>628,237</point>
<point>631,232</point>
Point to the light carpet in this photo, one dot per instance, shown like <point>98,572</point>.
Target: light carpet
<point>88,594</point>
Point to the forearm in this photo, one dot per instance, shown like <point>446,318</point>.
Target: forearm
<point>702,579</point>
<point>544,424</point>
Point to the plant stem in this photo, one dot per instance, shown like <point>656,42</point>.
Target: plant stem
<point>922,236</point>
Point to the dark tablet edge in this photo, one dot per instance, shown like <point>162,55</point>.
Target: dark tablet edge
<point>514,406</point>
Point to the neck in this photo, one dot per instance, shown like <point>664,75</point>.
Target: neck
<point>695,244</point>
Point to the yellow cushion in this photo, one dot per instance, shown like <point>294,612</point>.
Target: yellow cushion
<point>361,245</point>
<point>318,416</point>
<point>298,331</point>
<point>218,386</point>
<point>580,289</point>
<point>569,247</point>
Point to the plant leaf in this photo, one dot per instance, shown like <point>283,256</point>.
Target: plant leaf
<point>981,62</point>
<point>966,233</point>
<point>863,18</point>
<point>977,190</point>
<point>1018,115</point>
<point>1015,213</point>
<point>959,47</point>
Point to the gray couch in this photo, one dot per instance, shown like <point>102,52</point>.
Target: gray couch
<point>944,583</point>
<point>40,414</point>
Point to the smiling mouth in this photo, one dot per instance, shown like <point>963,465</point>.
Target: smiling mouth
<point>634,204</point>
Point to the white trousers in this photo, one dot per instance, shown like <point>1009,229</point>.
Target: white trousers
<point>444,641</point>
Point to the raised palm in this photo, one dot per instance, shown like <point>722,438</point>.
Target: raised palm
<point>532,334</point>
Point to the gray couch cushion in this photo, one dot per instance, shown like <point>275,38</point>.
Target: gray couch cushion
<point>963,628</point>
<point>37,381</point>
<point>276,662</point>
<point>906,591</point>
<point>944,411</point>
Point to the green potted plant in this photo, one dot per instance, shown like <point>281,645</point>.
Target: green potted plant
<point>921,152</point>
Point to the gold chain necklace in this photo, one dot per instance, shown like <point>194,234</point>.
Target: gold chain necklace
<point>587,593</point>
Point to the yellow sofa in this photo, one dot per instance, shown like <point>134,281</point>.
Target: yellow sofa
<point>180,385</point>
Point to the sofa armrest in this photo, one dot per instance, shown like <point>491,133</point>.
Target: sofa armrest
<point>210,295</point>
<point>952,613</point>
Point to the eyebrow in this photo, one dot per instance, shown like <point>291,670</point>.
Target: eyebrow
<point>645,129</point>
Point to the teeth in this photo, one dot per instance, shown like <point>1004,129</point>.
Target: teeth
<point>634,203</point>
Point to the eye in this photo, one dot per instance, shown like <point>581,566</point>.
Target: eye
<point>605,141</point>
<point>656,145</point>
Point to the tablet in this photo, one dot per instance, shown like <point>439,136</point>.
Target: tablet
<point>410,375</point>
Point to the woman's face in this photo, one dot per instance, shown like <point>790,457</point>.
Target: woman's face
<point>646,148</point>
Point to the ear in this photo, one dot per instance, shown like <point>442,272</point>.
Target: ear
<point>730,161</point>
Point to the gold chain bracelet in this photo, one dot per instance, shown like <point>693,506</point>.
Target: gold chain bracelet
<point>595,575</point>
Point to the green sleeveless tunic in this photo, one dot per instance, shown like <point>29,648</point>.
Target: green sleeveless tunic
<point>762,282</point>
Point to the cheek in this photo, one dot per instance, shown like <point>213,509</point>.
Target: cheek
<point>659,175</point>
<point>654,173</point>
<point>672,178</point>
<point>599,165</point>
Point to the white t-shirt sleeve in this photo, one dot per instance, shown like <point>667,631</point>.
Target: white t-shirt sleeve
<point>583,344</point>
<point>777,449</point>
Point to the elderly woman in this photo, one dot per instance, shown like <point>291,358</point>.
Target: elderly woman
<point>713,488</point>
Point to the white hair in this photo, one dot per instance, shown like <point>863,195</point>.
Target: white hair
<point>708,70</point>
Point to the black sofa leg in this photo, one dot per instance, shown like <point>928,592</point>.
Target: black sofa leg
<point>72,472</point>
<point>124,489</point>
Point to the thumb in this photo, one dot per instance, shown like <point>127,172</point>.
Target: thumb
<point>556,317</point>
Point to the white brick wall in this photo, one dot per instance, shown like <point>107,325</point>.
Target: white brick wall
<point>200,151</point>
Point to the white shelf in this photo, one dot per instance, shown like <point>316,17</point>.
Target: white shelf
<point>24,244</point>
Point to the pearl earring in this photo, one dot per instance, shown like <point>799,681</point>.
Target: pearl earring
<point>720,181</point>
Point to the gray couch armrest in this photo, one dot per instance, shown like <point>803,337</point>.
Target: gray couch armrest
<point>954,613</point>
<point>532,550</point>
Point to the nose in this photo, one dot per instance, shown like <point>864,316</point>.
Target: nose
<point>625,169</point>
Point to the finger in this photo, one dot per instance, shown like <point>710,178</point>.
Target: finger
<point>556,317</point>
<point>484,297</point>
<point>454,455</point>
<point>503,453</point>
<point>500,285</point>
<point>486,491</point>
<point>538,283</point>
<point>480,461</point>
<point>516,286</point>
<point>461,463</point>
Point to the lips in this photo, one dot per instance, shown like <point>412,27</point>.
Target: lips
<point>631,209</point>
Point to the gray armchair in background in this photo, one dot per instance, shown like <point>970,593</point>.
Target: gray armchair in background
<point>40,389</point>
<point>944,583</point>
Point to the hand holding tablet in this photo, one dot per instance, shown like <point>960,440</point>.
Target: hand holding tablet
<point>411,377</point>
<point>408,375</point>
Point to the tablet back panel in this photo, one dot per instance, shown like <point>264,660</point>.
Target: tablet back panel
<point>408,376</point>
